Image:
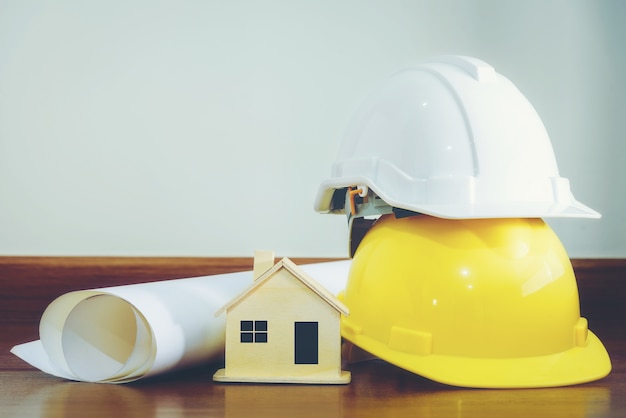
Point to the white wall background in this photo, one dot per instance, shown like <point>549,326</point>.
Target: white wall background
<point>203,128</point>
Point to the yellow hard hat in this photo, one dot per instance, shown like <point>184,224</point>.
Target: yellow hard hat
<point>487,303</point>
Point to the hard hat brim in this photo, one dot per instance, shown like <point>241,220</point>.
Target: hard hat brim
<point>567,208</point>
<point>574,366</point>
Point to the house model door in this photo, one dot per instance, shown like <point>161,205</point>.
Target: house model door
<point>306,343</point>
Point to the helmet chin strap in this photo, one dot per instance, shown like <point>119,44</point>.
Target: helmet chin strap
<point>362,208</point>
<point>358,228</point>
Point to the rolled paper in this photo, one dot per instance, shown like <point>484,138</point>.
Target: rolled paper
<point>124,333</point>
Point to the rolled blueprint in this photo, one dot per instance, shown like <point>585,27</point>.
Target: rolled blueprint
<point>124,333</point>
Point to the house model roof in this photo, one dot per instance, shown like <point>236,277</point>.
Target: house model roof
<point>299,274</point>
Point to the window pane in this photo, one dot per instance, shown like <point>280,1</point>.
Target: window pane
<point>260,337</point>
<point>260,325</point>
<point>246,326</point>
<point>247,337</point>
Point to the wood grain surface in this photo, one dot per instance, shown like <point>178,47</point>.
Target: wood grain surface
<point>28,284</point>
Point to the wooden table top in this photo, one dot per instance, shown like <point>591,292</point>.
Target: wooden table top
<point>377,389</point>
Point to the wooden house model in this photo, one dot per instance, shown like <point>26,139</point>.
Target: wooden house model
<point>284,328</point>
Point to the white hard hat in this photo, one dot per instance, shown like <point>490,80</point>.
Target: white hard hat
<point>454,139</point>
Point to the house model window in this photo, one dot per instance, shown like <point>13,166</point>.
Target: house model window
<point>253,331</point>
